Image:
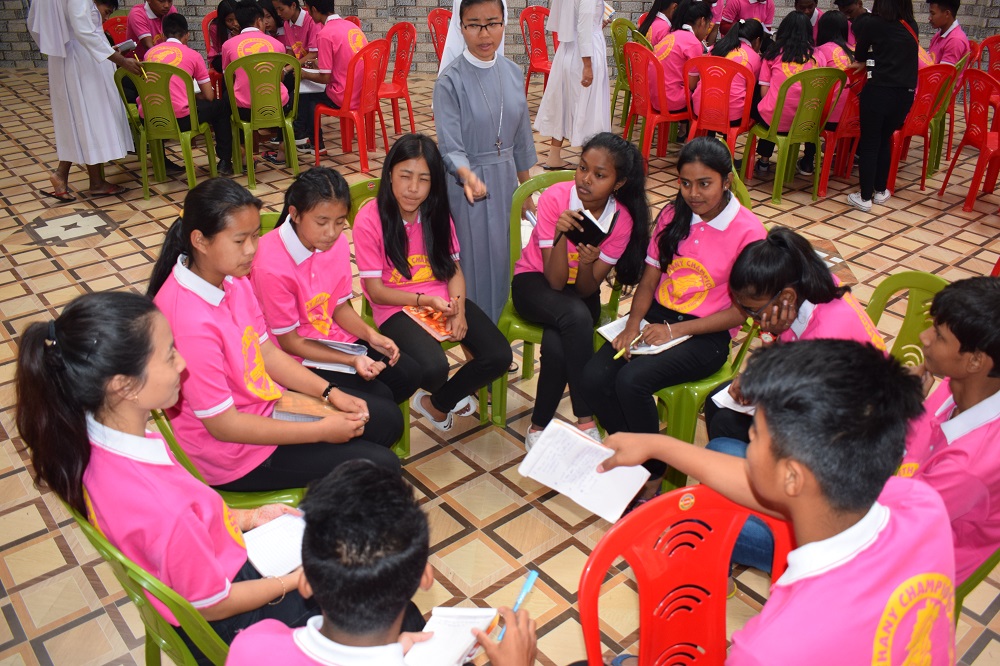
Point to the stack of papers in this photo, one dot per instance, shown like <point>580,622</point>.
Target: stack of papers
<point>349,348</point>
<point>275,548</point>
<point>453,642</point>
<point>615,328</point>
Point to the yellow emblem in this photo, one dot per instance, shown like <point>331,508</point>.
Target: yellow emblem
<point>356,39</point>
<point>686,285</point>
<point>255,376</point>
<point>420,271</point>
<point>663,49</point>
<point>252,45</point>
<point>918,612</point>
<point>231,526</point>
<point>168,55</point>
<point>318,312</point>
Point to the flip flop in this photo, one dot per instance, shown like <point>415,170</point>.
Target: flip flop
<point>64,196</point>
<point>466,406</point>
<point>115,190</point>
<point>272,158</point>
<point>563,167</point>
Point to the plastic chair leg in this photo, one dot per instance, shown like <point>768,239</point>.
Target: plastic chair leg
<point>397,124</point>
<point>627,104</point>
<point>817,161</point>
<point>977,178</point>
<point>159,160</point>
<point>237,156</point>
<point>142,150</point>
<point>213,167</point>
<point>499,409</point>
<point>528,360</point>
<point>152,651</point>
<point>824,170</point>
<point>188,161</point>
<point>359,123</point>
<point>291,156</point>
<point>409,112</point>
<point>402,447</point>
<point>780,169</point>
<point>895,156</point>
<point>923,172</point>
<point>748,155</point>
<point>951,167</point>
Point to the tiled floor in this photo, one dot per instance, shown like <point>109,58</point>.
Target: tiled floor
<point>60,605</point>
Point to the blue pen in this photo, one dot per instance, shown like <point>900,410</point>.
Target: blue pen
<point>528,584</point>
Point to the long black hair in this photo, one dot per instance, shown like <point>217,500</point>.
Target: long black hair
<point>658,7</point>
<point>222,12</point>
<point>435,213</point>
<point>715,155</point>
<point>783,259</point>
<point>207,208</point>
<point>312,188</point>
<point>894,10</point>
<point>748,29</point>
<point>631,195</point>
<point>689,11</point>
<point>833,26</point>
<point>63,369</point>
<point>793,41</point>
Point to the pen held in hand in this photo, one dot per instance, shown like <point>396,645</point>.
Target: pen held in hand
<point>528,584</point>
<point>622,351</point>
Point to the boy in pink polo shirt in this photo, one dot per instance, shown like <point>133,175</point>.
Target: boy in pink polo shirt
<point>300,29</point>
<point>872,577</point>
<point>762,10</point>
<point>215,112</point>
<point>365,600</point>
<point>949,44</point>
<point>250,41</point>
<point>145,24</point>
<point>952,447</point>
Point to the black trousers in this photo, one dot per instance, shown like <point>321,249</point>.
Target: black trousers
<point>491,355</point>
<point>723,422</point>
<point>621,392</point>
<point>567,343</point>
<point>882,111</point>
<point>307,108</point>
<point>216,114</point>
<point>396,382</point>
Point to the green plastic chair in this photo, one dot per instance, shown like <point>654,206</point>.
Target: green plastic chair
<point>737,187</point>
<point>922,287</point>
<point>158,122</point>
<point>268,221</point>
<point>937,123</point>
<point>160,634</point>
<point>974,579</point>
<point>134,121</point>
<point>265,73</point>
<point>620,30</point>
<point>818,88</point>
<point>236,500</point>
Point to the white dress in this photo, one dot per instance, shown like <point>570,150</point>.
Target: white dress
<point>568,110</point>
<point>88,116</point>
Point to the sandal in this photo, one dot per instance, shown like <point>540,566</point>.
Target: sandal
<point>417,403</point>
<point>620,659</point>
<point>112,191</point>
<point>64,196</point>
<point>272,157</point>
<point>466,406</point>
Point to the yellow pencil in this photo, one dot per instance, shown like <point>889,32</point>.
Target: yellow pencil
<point>140,65</point>
<point>622,351</point>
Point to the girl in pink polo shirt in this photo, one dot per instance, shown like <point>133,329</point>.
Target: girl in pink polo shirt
<point>656,26</point>
<point>86,383</point>
<point>407,255</point>
<point>302,278</point>
<point>791,53</point>
<point>223,26</point>
<point>691,24</point>
<point>682,292</point>
<point>226,416</point>
<point>742,45</point>
<point>558,284</point>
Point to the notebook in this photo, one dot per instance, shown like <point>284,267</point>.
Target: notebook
<point>594,232</point>
<point>349,348</point>
<point>293,406</point>
<point>306,86</point>
<point>431,320</point>
<point>453,642</point>
<point>614,329</point>
<point>275,548</point>
<point>726,401</point>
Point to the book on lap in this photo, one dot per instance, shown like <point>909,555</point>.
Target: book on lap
<point>615,328</point>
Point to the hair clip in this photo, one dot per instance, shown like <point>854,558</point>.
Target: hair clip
<point>50,339</point>
<point>742,21</point>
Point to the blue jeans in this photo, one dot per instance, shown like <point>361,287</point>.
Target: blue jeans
<point>755,545</point>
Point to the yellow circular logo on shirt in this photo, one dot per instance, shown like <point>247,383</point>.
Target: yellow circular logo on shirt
<point>356,39</point>
<point>252,45</point>
<point>665,46</point>
<point>318,312</point>
<point>840,59</point>
<point>919,613</point>
<point>791,68</point>
<point>255,377</point>
<point>686,286</point>
<point>420,271</point>
<point>873,335</point>
<point>926,59</point>
<point>169,54</point>
<point>231,526</point>
<point>737,55</point>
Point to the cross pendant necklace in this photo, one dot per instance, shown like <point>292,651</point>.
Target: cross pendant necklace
<point>499,142</point>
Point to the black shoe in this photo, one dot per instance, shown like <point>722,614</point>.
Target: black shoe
<point>172,168</point>
<point>225,168</point>
<point>804,166</point>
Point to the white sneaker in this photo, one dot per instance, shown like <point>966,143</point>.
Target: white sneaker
<point>593,433</point>
<point>881,197</point>
<point>531,438</point>
<point>855,200</point>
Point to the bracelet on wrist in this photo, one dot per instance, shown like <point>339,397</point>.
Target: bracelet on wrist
<point>284,591</point>
<point>419,294</point>
<point>329,387</point>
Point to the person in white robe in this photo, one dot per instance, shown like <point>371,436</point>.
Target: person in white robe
<point>576,102</point>
<point>88,116</point>
<point>454,43</point>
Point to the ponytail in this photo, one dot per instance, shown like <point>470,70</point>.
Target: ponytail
<point>689,11</point>
<point>783,259</point>
<point>658,7</point>
<point>63,369</point>
<point>312,188</point>
<point>748,29</point>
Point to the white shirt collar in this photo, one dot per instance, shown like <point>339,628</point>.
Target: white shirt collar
<point>301,20</point>
<point>175,40</point>
<point>187,279</point>
<point>820,557</point>
<point>606,215</point>
<point>688,27</point>
<point>802,319</point>
<point>662,16</point>
<point>477,62</point>
<point>150,450</point>
<point>954,24</point>
<point>721,221</point>
<point>324,651</point>
<point>746,41</point>
<point>975,417</point>
<point>298,251</point>
<point>815,17</point>
<point>150,14</point>
<point>333,17</point>
<point>249,30</point>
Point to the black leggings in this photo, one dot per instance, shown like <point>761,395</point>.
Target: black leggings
<point>567,343</point>
<point>882,111</point>
<point>396,382</point>
<point>216,114</point>
<point>491,355</point>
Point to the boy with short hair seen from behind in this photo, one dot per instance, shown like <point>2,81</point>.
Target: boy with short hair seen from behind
<point>251,41</point>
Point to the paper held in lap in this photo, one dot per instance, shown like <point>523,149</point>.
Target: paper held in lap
<point>292,406</point>
<point>348,348</point>
<point>453,642</point>
<point>566,460</point>
<point>615,328</point>
<point>726,401</point>
<point>307,86</point>
<point>275,548</point>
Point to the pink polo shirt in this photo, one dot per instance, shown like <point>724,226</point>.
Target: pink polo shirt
<point>271,642</point>
<point>219,333</point>
<point>173,52</point>
<point>556,199</point>
<point>772,74</point>
<point>659,29</point>
<point>299,289</point>
<point>142,22</point>
<point>338,41</point>
<point>840,319</point>
<point>162,518</point>
<point>950,46</point>
<point>957,456</point>
<point>300,34</point>
<point>717,10</point>
<point>369,253</point>
<point>762,10</point>
<point>697,280</point>
<point>880,592</point>
<point>833,55</point>
<point>249,42</point>
<point>673,51</point>
<point>814,19</point>
<point>746,56</point>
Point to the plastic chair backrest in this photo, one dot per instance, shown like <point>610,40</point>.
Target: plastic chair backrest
<point>635,35</point>
<point>116,26</point>
<point>437,22</point>
<point>717,75</point>
<point>934,85</point>
<point>264,71</point>
<point>980,88</point>
<point>921,286</point>
<point>268,221</point>
<point>532,22</point>
<point>130,109</point>
<point>206,25</point>
<point>638,62</point>
<point>405,34</point>
<point>990,49</point>
<point>163,425</point>
<point>975,51</point>
<point>678,547</point>
<point>521,194</point>
<point>157,105</point>
<point>619,37</point>
<point>361,192</point>
<point>817,101</point>
<point>353,19</point>
<point>137,582</point>
<point>374,61</point>
<point>850,119</point>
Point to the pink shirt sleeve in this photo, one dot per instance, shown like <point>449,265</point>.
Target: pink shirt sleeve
<point>200,70</point>
<point>205,385</point>
<point>193,564</point>
<point>768,13</point>
<point>138,24</point>
<point>962,493</point>
<point>277,294</point>
<point>549,211</point>
<point>613,247</point>
<point>731,12</point>
<point>369,249</point>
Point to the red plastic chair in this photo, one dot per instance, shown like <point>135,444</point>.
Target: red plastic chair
<point>638,61</point>
<point>996,269</point>
<point>116,27</point>
<point>934,84</point>
<point>374,59</point>
<point>532,22</point>
<point>353,19</point>
<point>980,87</point>
<point>678,546</point>
<point>437,22</point>
<point>214,77</point>
<point>843,141</point>
<point>398,88</point>
<point>206,24</point>
<point>717,76</point>
<point>990,48</point>
<point>972,62</point>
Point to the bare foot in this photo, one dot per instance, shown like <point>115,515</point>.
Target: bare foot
<point>59,185</point>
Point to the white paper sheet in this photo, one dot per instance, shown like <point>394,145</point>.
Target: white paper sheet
<point>566,460</point>
<point>306,86</point>
<point>275,548</point>
<point>332,367</point>
<point>453,638</point>
<point>614,329</point>
<point>725,401</point>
